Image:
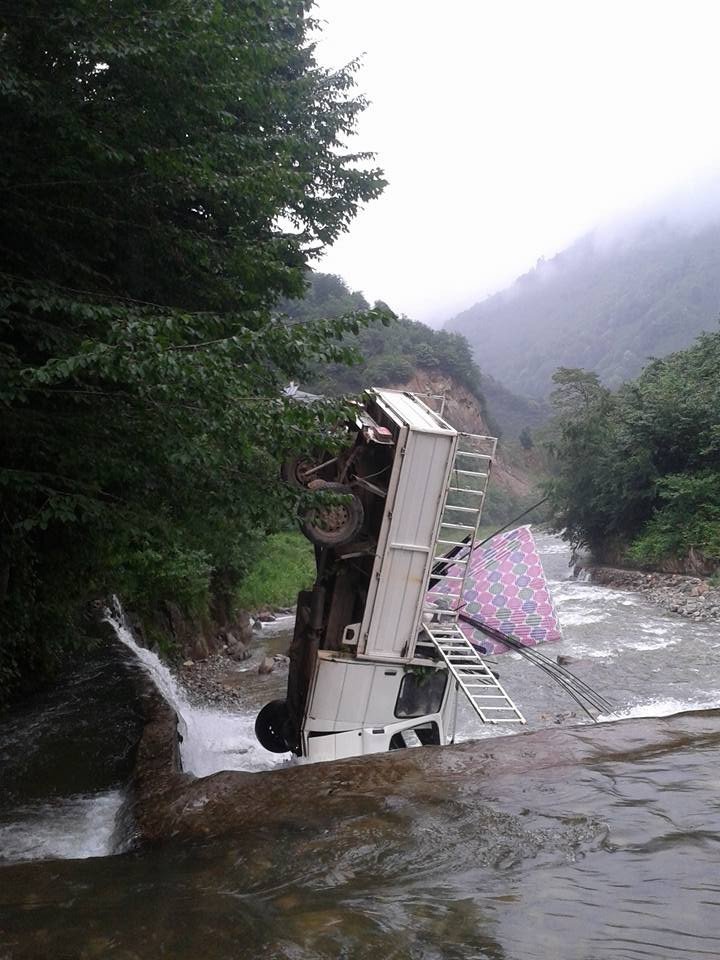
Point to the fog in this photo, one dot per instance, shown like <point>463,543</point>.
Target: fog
<point>689,208</point>
<point>507,130</point>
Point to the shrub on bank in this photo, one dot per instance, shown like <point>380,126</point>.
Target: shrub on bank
<point>283,567</point>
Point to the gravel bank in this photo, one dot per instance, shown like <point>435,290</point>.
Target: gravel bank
<point>692,597</point>
<point>222,679</point>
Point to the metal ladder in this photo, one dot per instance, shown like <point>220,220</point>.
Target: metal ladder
<point>463,501</point>
<point>482,688</point>
<point>462,509</point>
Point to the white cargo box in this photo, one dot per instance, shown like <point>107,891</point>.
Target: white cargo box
<point>426,448</point>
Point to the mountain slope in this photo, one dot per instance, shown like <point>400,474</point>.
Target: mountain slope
<point>512,413</point>
<point>603,306</point>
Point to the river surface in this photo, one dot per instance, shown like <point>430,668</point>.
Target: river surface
<point>583,842</point>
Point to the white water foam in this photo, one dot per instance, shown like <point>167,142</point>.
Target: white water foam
<point>212,739</point>
<point>551,546</point>
<point>73,828</point>
<point>580,617</point>
<point>575,591</point>
<point>278,625</point>
<point>662,707</point>
<point>657,644</point>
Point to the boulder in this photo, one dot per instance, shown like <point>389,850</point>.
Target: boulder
<point>267,666</point>
<point>236,648</point>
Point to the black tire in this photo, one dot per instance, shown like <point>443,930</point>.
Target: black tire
<point>292,472</point>
<point>335,524</point>
<point>269,726</point>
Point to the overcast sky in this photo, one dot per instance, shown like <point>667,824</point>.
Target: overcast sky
<point>507,128</point>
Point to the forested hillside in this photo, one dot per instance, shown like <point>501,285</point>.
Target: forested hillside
<point>385,353</point>
<point>638,470</point>
<point>516,417</point>
<point>607,307</point>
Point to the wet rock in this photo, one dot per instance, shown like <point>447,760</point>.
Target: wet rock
<point>170,804</point>
<point>267,666</point>
<point>157,778</point>
<point>236,649</point>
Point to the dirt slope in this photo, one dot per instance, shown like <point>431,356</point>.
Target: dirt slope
<point>462,409</point>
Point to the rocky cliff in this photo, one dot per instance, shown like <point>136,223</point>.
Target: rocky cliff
<point>515,474</point>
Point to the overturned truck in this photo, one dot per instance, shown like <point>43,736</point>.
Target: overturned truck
<point>379,658</point>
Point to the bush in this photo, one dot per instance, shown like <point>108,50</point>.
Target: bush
<point>285,566</point>
<point>688,518</point>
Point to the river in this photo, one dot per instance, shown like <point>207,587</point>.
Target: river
<point>573,842</point>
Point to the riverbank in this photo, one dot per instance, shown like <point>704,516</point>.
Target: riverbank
<point>220,680</point>
<point>693,597</point>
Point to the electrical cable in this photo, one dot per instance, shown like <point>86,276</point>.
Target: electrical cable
<point>576,688</point>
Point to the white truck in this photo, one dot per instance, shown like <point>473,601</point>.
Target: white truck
<point>377,659</point>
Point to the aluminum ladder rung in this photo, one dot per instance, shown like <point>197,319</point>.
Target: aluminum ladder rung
<point>471,453</point>
<point>470,473</point>
<point>498,709</point>
<point>453,506</point>
<point>480,493</point>
<point>456,526</point>
<point>451,560</point>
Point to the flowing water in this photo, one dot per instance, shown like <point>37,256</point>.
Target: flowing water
<point>213,739</point>
<point>574,842</point>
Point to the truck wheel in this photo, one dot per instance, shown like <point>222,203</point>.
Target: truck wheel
<point>334,524</point>
<point>294,472</point>
<point>269,725</point>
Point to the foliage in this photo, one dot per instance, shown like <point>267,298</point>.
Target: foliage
<point>388,353</point>
<point>642,464</point>
<point>285,566</point>
<point>599,305</point>
<point>525,439</point>
<point>687,518</point>
<point>168,170</point>
<point>511,412</point>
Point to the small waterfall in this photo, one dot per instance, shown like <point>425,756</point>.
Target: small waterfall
<point>160,675</point>
<point>71,828</point>
<point>212,739</point>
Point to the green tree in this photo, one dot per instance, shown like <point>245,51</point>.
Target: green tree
<point>640,468</point>
<point>525,438</point>
<point>168,170</point>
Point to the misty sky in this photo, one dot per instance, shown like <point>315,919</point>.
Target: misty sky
<point>507,128</point>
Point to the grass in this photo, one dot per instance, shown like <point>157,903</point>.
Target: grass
<point>285,565</point>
